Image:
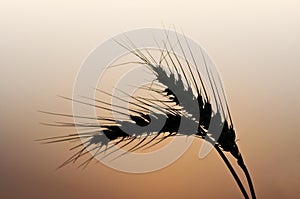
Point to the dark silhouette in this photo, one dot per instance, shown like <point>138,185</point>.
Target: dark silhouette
<point>173,106</point>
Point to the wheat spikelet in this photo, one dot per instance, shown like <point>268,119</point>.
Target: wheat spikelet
<point>183,96</point>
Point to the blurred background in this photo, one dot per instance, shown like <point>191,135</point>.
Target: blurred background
<point>255,45</point>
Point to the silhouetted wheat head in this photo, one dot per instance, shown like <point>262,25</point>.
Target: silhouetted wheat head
<point>177,86</point>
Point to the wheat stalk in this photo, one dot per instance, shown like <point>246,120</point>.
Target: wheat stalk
<point>180,85</point>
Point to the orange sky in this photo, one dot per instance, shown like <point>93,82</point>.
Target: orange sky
<point>254,44</point>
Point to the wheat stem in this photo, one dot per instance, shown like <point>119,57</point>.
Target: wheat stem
<point>244,168</point>
<point>237,179</point>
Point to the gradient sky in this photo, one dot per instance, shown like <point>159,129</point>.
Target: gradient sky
<point>255,45</point>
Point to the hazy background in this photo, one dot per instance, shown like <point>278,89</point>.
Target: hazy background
<point>255,44</point>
